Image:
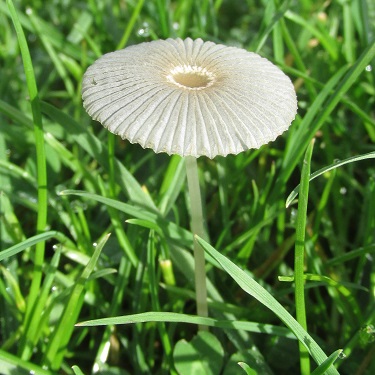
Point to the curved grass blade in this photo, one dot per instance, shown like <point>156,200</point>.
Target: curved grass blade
<point>77,370</point>
<point>171,317</point>
<point>321,369</point>
<point>10,365</point>
<point>343,86</point>
<point>170,229</point>
<point>294,193</point>
<point>26,244</point>
<point>251,287</point>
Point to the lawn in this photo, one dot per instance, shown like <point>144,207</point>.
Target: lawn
<point>96,251</point>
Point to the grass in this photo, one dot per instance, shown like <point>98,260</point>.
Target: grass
<point>66,184</point>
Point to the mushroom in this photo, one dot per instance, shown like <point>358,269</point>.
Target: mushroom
<point>191,98</point>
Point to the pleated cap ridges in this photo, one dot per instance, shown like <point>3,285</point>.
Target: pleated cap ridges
<point>190,97</point>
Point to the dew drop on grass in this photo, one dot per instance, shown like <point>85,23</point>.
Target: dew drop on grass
<point>144,31</point>
<point>32,372</point>
<point>293,216</point>
<point>368,68</point>
<point>343,190</point>
<point>94,244</point>
<point>342,355</point>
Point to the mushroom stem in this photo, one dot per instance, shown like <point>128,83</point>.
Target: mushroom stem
<point>197,228</point>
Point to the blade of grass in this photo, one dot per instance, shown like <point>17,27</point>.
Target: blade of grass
<point>41,169</point>
<point>251,287</point>
<point>173,181</point>
<point>299,257</point>
<point>119,226</point>
<point>327,42</point>
<point>156,316</point>
<point>294,193</point>
<point>343,86</point>
<point>171,230</point>
<point>11,364</point>
<point>349,40</point>
<point>60,68</point>
<point>30,242</point>
<point>321,369</point>
<point>130,25</point>
<point>122,281</point>
<point>163,12</point>
<point>36,330</point>
<point>153,282</point>
<point>57,346</point>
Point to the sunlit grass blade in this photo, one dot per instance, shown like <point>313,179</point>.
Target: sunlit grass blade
<point>343,86</point>
<point>35,328</point>
<point>60,68</point>
<point>77,370</point>
<point>299,256</point>
<point>130,25</point>
<point>251,287</point>
<point>155,316</point>
<point>163,12</point>
<point>56,37</point>
<point>337,164</point>
<point>328,43</point>
<point>321,369</point>
<point>173,181</point>
<point>11,365</point>
<point>304,128</point>
<point>171,230</point>
<point>41,164</point>
<point>57,346</point>
<point>14,289</point>
<point>27,243</point>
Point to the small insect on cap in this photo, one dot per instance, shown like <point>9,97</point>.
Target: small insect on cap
<point>190,97</point>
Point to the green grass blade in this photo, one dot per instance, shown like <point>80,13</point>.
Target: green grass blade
<point>41,162</point>
<point>251,287</point>
<point>77,370</point>
<point>299,256</point>
<point>35,330</point>
<point>57,346</point>
<point>26,244</point>
<point>321,369</point>
<point>327,42</point>
<point>155,316</point>
<point>344,85</point>
<point>171,230</point>
<point>130,25</point>
<point>292,156</point>
<point>173,181</point>
<point>60,68</point>
<point>294,193</point>
<point>11,365</point>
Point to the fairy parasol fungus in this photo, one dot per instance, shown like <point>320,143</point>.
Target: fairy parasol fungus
<point>191,98</point>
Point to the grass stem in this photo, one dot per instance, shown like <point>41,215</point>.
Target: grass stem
<point>300,256</point>
<point>41,176</point>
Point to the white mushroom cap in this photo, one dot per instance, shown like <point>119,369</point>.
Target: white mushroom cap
<point>190,97</point>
